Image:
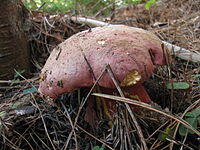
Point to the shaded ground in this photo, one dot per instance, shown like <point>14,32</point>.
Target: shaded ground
<point>29,121</point>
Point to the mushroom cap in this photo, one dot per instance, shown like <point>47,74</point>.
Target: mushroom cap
<point>131,52</point>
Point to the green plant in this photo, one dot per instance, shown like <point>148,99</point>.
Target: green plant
<point>30,90</point>
<point>51,6</point>
<point>149,3</point>
<point>17,76</point>
<point>130,1</point>
<point>178,85</point>
<point>193,118</point>
<point>196,79</point>
<point>166,134</point>
<point>86,7</point>
<point>97,148</point>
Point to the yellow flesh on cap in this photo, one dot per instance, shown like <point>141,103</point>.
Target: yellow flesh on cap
<point>131,78</point>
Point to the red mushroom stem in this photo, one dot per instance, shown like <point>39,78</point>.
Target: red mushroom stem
<point>106,108</point>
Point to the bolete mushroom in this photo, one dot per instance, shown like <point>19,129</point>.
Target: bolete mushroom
<point>132,54</point>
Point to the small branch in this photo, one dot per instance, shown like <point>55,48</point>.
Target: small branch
<point>90,22</point>
<point>183,53</point>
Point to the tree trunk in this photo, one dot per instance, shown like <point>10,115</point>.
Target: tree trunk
<point>14,51</point>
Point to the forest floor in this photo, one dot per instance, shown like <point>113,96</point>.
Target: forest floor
<point>31,121</point>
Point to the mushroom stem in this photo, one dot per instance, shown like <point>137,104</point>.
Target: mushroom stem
<point>137,92</point>
<point>107,108</point>
<point>90,114</point>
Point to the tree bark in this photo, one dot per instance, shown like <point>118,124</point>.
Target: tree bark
<point>14,51</point>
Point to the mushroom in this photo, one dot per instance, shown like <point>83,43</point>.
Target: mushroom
<point>132,54</point>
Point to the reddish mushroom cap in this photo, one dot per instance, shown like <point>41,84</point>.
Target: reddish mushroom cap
<point>132,54</point>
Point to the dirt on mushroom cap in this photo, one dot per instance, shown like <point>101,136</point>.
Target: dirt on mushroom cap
<point>124,48</point>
